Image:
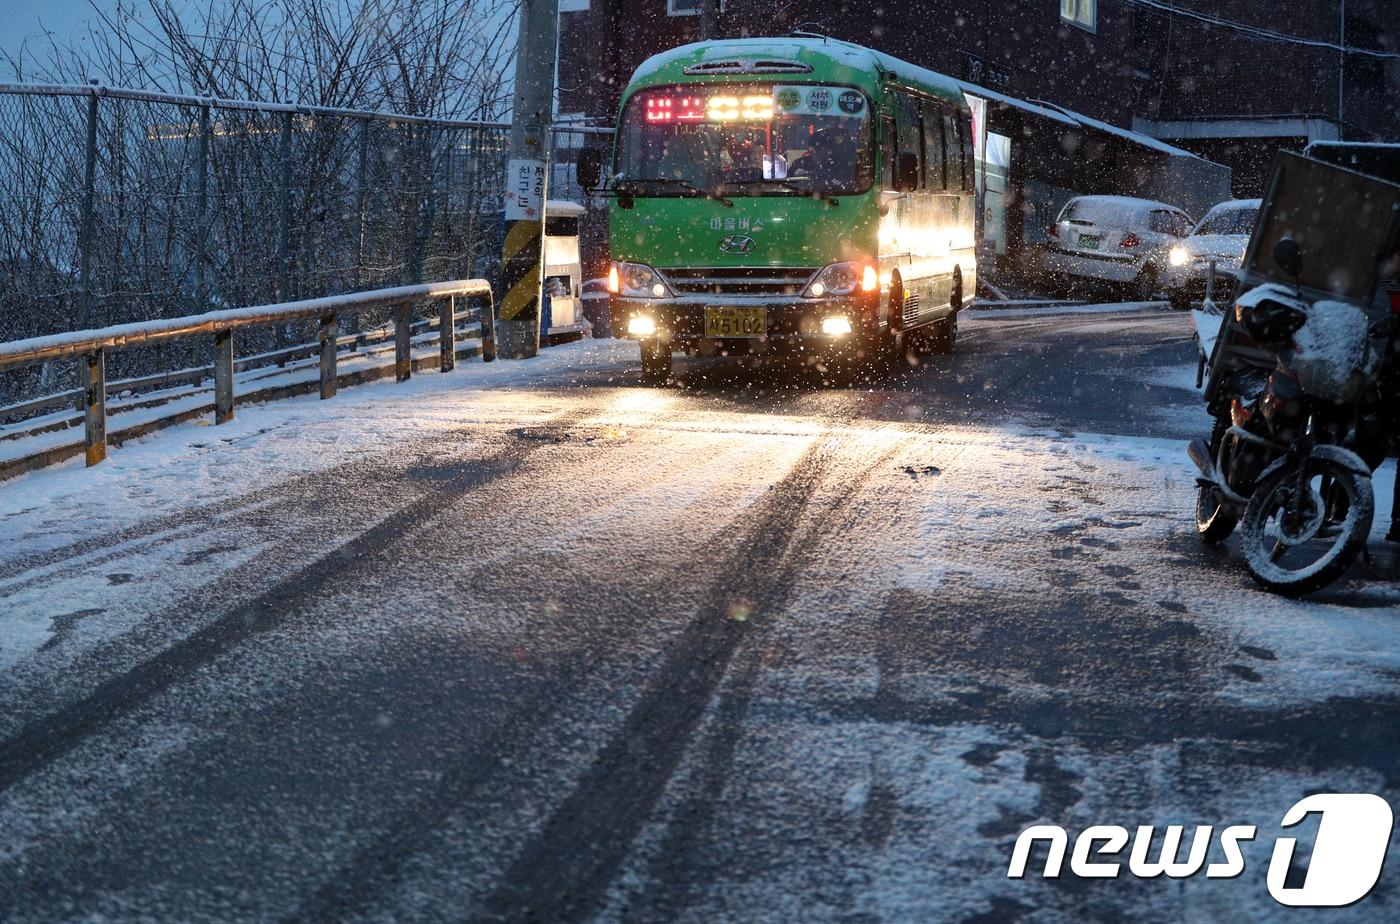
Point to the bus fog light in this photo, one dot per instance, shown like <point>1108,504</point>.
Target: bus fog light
<point>641,327</point>
<point>836,327</point>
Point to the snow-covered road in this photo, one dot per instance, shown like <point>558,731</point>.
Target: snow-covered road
<point>530,640</point>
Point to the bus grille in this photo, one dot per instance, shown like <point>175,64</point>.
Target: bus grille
<point>911,309</point>
<point>730,280</point>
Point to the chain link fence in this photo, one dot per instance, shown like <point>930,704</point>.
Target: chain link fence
<point>119,206</point>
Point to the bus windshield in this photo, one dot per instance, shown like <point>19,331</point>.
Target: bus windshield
<point>776,140</point>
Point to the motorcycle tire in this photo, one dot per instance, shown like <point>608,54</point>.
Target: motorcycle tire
<point>1262,551</point>
<point>1214,521</point>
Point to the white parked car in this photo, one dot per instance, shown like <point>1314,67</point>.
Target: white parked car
<point>1115,239</point>
<point>1222,236</point>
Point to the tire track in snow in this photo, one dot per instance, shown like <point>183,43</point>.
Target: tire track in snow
<point>85,853</point>
<point>44,740</point>
<point>673,878</point>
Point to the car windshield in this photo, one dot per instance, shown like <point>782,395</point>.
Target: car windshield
<point>1230,221</point>
<point>777,140</point>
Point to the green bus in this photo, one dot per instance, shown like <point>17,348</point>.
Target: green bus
<point>793,194</point>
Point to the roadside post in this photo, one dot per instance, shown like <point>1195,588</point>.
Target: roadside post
<point>526,185</point>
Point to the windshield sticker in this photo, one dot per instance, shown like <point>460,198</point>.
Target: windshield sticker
<point>829,101</point>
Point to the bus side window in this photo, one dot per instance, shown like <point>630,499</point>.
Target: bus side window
<point>924,152</point>
<point>937,164</point>
<point>889,151</point>
<point>910,137</point>
<point>969,156</point>
<point>951,127</point>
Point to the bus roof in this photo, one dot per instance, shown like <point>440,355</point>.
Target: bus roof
<point>796,57</point>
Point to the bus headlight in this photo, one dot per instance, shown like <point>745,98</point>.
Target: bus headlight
<point>1178,256</point>
<point>836,326</point>
<point>641,326</point>
<point>637,280</point>
<point>843,279</point>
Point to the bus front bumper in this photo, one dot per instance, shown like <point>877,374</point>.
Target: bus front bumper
<point>790,323</point>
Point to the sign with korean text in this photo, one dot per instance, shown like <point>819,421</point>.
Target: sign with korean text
<point>524,190</point>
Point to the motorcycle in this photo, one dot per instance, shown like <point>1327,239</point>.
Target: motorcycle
<point>1304,379</point>
<point>1285,466</point>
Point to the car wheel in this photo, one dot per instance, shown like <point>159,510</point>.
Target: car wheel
<point>1145,286</point>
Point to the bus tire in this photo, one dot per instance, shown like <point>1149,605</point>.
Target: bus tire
<point>943,335</point>
<point>656,362</point>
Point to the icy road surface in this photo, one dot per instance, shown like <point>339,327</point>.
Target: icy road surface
<point>530,641</point>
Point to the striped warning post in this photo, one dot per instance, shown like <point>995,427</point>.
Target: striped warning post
<point>520,281</point>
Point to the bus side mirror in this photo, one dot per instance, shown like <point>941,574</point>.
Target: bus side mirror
<point>589,169</point>
<point>906,172</point>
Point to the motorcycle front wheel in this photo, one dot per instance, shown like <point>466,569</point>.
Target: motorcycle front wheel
<point>1296,547</point>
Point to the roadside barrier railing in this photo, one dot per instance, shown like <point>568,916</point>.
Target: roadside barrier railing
<point>92,346</point>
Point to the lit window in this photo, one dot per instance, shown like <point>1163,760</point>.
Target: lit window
<point>1082,13</point>
<point>687,7</point>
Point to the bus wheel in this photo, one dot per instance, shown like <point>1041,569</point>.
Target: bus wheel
<point>943,335</point>
<point>656,362</point>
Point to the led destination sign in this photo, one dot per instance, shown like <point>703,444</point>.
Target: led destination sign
<point>720,104</point>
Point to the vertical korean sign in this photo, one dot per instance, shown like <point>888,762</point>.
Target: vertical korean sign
<point>525,195</point>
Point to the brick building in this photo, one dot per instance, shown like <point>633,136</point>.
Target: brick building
<point>1232,80</point>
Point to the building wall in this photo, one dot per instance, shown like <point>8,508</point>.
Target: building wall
<point>1137,61</point>
<point>1022,48</point>
<point>1186,69</point>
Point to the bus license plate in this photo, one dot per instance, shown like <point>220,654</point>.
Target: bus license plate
<point>736,322</point>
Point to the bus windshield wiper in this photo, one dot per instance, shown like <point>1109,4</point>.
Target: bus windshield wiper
<point>636,182</point>
<point>790,185</point>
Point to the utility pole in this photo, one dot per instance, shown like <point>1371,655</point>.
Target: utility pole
<point>709,19</point>
<point>526,183</point>
<point>1342,72</point>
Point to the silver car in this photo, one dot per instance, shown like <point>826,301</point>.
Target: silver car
<point>1222,237</point>
<point>1115,239</point>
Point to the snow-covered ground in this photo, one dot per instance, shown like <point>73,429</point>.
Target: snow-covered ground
<point>980,624</point>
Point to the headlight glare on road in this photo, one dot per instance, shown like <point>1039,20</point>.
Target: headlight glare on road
<point>1178,256</point>
<point>641,326</point>
<point>836,326</point>
<point>637,280</point>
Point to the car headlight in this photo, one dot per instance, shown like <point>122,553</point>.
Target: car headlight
<point>1179,256</point>
<point>637,280</point>
<point>843,279</point>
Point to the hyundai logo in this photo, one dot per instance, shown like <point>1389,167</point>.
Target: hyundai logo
<point>737,244</point>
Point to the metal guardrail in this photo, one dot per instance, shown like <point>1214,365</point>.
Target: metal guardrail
<point>363,343</point>
<point>93,345</point>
